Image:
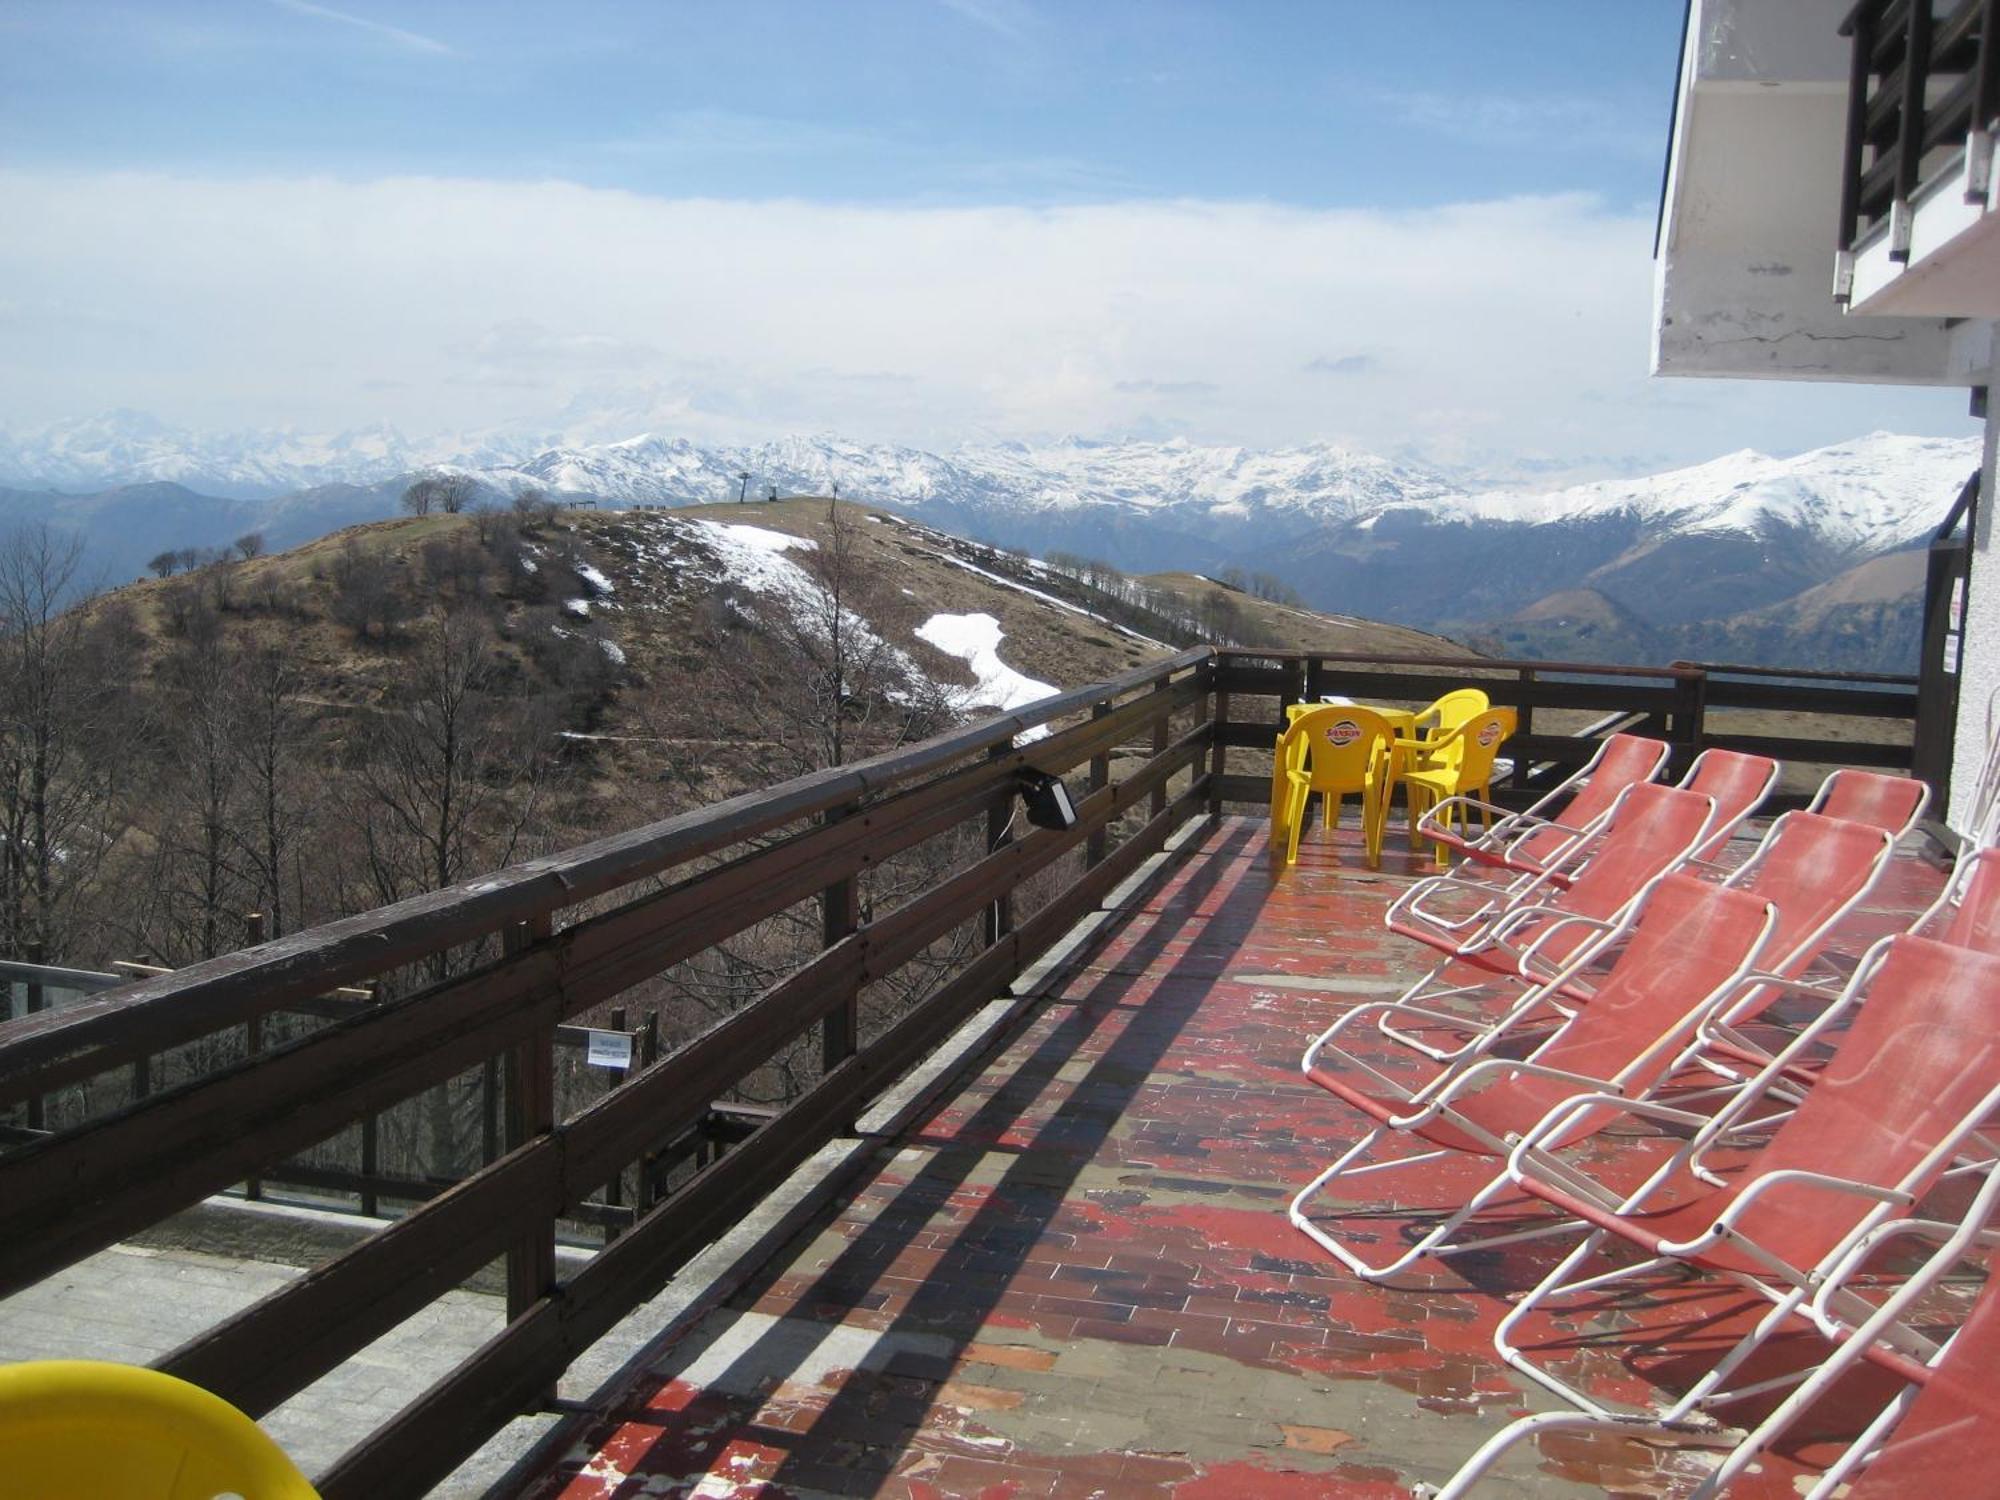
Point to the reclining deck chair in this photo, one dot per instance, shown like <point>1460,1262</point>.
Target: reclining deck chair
<point>1739,784</point>
<point>1690,943</point>
<point>1529,842</point>
<point>1334,751</point>
<point>1893,803</point>
<point>1943,1427</point>
<point>1966,913</point>
<point>1651,830</point>
<point>1814,870</point>
<point>1912,1078</point>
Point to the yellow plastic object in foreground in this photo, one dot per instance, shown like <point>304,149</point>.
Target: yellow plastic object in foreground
<point>71,1428</point>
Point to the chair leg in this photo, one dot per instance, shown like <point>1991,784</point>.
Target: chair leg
<point>1295,823</point>
<point>1329,808</point>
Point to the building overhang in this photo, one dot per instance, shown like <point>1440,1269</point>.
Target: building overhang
<point>1745,260</point>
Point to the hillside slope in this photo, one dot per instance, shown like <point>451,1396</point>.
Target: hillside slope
<point>403,704</point>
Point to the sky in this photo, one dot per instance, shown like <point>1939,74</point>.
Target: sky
<point>1422,229</point>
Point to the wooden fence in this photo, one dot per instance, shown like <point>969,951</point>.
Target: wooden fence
<point>557,937</point>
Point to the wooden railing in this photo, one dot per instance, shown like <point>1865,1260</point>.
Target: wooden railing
<point>1923,85</point>
<point>574,932</point>
<point>501,963</point>
<point>1565,707</point>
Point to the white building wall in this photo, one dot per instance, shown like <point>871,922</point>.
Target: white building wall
<point>1979,658</point>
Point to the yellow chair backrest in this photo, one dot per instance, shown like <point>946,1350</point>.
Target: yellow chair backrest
<point>1452,710</point>
<point>1336,747</point>
<point>72,1427</point>
<point>1473,744</point>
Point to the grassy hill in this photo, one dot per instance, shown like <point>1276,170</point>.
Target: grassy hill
<point>404,704</point>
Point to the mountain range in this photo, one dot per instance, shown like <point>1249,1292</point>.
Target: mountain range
<point>1745,550</point>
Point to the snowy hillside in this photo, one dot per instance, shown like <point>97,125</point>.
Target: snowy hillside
<point>1867,496</point>
<point>1857,498</point>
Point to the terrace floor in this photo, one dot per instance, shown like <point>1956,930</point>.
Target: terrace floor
<point>1076,1277</point>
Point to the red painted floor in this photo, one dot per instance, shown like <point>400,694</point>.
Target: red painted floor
<point>1077,1279</point>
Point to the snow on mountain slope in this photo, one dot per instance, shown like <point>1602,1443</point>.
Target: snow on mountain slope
<point>1140,504</point>
<point>1863,497</point>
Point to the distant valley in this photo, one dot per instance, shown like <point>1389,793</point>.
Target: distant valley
<point>1802,561</point>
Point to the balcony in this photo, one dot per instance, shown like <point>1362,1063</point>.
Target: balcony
<point>1918,164</point>
<point>1014,1223</point>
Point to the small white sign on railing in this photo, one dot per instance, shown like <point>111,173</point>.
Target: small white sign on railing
<point>608,1049</point>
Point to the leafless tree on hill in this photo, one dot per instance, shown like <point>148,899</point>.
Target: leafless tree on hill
<point>59,708</point>
<point>449,493</point>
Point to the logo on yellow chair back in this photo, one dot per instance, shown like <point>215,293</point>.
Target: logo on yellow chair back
<point>1489,734</point>
<point>1343,733</point>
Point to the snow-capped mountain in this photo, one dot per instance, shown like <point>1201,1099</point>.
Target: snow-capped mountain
<point>1870,495</point>
<point>125,447</point>
<point>1351,531</point>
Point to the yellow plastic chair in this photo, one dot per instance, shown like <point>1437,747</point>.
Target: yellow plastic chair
<point>1458,764</point>
<point>71,1428</point>
<point>1337,751</point>
<point>1450,711</point>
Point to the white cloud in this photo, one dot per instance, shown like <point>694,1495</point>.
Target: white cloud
<point>409,40</point>
<point>298,301</point>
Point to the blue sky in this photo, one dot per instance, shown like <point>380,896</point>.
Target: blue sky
<point>1421,227</point>
<point>1318,104</point>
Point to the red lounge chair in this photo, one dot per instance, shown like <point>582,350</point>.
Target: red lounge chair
<point>1815,870</point>
<point>1529,842</point>
<point>1739,784</point>
<point>1967,913</point>
<point>1892,803</point>
<point>1690,943</point>
<point>1944,1427</point>
<point>1652,829</point>
<point>1913,1076</point>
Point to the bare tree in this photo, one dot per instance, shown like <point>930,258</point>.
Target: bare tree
<point>447,755</point>
<point>449,493</point>
<point>164,563</point>
<point>250,545</point>
<point>365,596</point>
<point>56,759</point>
<point>273,757</point>
<point>194,801</point>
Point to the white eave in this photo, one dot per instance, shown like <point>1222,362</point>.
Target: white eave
<point>1744,272</point>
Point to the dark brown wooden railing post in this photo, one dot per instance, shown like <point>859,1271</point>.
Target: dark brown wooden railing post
<point>1162,737</point>
<point>1100,778</point>
<point>1690,721</point>
<point>649,1053</point>
<point>840,915</point>
<point>999,917</point>
<point>531,1108</point>
<point>1524,724</point>
<point>614,1079</point>
<point>253,1029</point>
<point>1218,765</point>
<point>371,1138</point>
<point>34,998</point>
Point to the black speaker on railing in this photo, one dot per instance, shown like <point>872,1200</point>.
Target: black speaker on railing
<point>1047,801</point>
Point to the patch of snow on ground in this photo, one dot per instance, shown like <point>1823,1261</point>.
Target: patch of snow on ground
<point>594,580</point>
<point>754,558</point>
<point>975,640</point>
<point>613,652</point>
<point>576,609</point>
